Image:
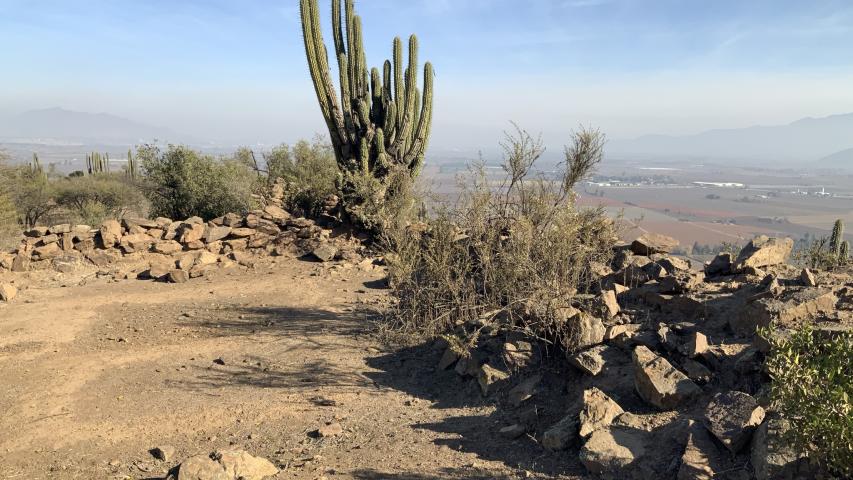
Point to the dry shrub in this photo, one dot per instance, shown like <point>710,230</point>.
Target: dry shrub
<point>516,252</point>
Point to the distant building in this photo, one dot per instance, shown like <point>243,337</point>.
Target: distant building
<point>719,184</point>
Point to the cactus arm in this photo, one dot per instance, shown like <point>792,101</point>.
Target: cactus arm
<point>415,153</point>
<point>397,56</point>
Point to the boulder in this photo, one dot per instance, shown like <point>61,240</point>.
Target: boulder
<point>21,263</point>
<point>650,243</point>
<point>165,453</point>
<point>232,220</point>
<point>524,390</point>
<point>598,411</point>
<point>8,292</point>
<point>584,331</point>
<point>36,232</point>
<point>490,378</point>
<point>562,434</point>
<point>591,360</point>
<point>276,213</point>
<point>240,465</point>
<point>763,251</point>
<point>48,239</point>
<point>168,247</point>
<point>612,451</point>
<point>695,345</point>
<point>215,233</point>
<point>46,252</point>
<point>135,242</point>
<point>61,228</point>
<point>696,371</point>
<point>325,252</point>
<point>178,276</point>
<point>720,265</point>
<point>243,258</point>
<point>608,302</point>
<point>807,278</point>
<point>202,467</point>
<point>659,383</point>
<point>674,264</point>
<point>773,457</point>
<point>733,417</point>
<point>701,459</point>
<point>513,431</point>
<point>189,232</point>
<point>242,232</point>
<point>206,258</point>
<point>791,309</point>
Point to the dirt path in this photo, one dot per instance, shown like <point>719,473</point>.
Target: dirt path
<point>94,376</point>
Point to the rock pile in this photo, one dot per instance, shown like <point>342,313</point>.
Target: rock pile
<point>670,381</point>
<point>177,251</point>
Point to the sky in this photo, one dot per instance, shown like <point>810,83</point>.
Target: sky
<point>235,70</point>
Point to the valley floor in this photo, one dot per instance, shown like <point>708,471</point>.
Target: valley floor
<point>92,376</point>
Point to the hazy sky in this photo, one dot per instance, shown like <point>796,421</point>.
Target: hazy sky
<point>235,70</point>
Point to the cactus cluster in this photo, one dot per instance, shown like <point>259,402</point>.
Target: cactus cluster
<point>838,247</point>
<point>97,163</point>
<point>35,165</point>
<point>131,169</point>
<point>382,120</point>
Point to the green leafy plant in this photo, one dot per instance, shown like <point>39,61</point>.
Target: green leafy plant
<point>381,124</point>
<point>180,183</point>
<point>93,199</point>
<point>812,386</point>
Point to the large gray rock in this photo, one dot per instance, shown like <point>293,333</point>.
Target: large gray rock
<point>136,242</point>
<point>650,243</point>
<point>773,457</point>
<point>562,434</point>
<point>659,383</point>
<point>598,411</point>
<point>790,309</point>
<point>763,251</point>
<point>613,451</point>
<point>226,465</point>
<point>591,360</point>
<point>202,467</point>
<point>490,378</point>
<point>732,417</point>
<point>189,232</point>
<point>215,233</point>
<point>584,330</point>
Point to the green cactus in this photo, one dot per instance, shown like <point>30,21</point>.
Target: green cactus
<point>130,171</point>
<point>381,122</point>
<point>97,163</point>
<point>35,165</point>
<point>837,237</point>
<point>844,253</point>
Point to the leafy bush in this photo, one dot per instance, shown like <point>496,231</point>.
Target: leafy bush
<point>309,171</point>
<point>93,199</point>
<point>812,386</point>
<point>181,183</point>
<point>518,252</point>
<point>29,190</point>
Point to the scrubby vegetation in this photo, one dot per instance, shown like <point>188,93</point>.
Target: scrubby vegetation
<point>812,387</point>
<point>517,252</point>
<point>825,252</point>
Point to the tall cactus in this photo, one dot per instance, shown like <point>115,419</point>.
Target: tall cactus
<point>97,163</point>
<point>130,171</point>
<point>382,120</point>
<point>837,237</point>
<point>35,165</point>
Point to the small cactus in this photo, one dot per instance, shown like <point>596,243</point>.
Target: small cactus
<point>130,171</point>
<point>844,253</point>
<point>837,237</point>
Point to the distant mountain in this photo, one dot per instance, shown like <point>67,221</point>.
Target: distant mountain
<point>805,140</point>
<point>842,159</point>
<point>57,125</point>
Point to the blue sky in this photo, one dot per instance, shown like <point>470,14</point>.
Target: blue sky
<point>234,70</point>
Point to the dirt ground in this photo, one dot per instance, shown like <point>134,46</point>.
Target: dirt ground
<point>96,375</point>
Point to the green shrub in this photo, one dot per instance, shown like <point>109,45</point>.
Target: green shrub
<point>181,183</point>
<point>519,252</point>
<point>28,188</point>
<point>309,171</point>
<point>812,386</point>
<point>93,199</point>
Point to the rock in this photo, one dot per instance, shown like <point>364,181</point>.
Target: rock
<point>58,229</point>
<point>518,354</point>
<point>240,465</point>
<point>8,292</point>
<point>807,278</point>
<point>763,251</point>
<point>791,309</point>
<point>696,344</point>
<point>696,371</point>
<point>36,232</point>
<point>659,383</point>
<point>650,243</point>
<point>189,232</point>
<point>674,264</point>
<point>206,258</point>
<point>178,276</point>
<point>584,330</point>
<point>609,305</point>
<point>202,467</point>
<point>135,242</point>
<point>598,411</point>
<point>213,234</point>
<point>330,430</point>
<point>591,360</point>
<point>513,431</point>
<point>612,450</point>
<point>562,434</point>
<point>142,223</point>
<point>524,390</point>
<point>276,213</point>
<point>232,220</point>
<point>720,265</point>
<point>681,282</point>
<point>165,453</point>
<point>159,269</point>
<point>48,239</point>
<point>732,417</point>
<point>243,258</point>
<point>701,456</point>
<point>490,378</point>
<point>168,247</point>
<point>185,262</point>
<point>325,252</point>
<point>447,359</point>
<point>242,232</point>
<point>46,252</point>
<point>772,455</point>
<point>626,329</point>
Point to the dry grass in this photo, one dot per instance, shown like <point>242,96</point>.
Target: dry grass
<point>516,254</point>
